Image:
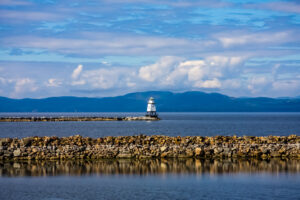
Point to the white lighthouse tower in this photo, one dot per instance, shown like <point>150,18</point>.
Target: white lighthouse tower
<point>151,108</point>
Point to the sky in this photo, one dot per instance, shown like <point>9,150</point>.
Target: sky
<point>113,47</point>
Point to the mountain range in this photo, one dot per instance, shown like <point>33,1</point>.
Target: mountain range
<point>165,101</point>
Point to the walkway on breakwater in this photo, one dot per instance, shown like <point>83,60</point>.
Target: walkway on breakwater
<point>146,147</point>
<point>62,119</point>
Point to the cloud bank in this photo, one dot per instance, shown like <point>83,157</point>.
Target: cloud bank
<point>104,48</point>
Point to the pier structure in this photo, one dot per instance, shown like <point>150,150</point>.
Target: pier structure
<point>63,119</point>
<point>154,146</point>
<point>150,116</point>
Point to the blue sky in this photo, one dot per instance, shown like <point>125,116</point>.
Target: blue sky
<point>113,47</point>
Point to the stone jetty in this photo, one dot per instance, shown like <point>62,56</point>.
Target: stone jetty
<point>61,119</point>
<point>143,147</point>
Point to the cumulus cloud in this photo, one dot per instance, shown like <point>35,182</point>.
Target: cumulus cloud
<point>159,69</point>
<point>52,82</point>
<point>24,85</point>
<point>219,73</point>
<point>208,51</point>
<point>77,72</point>
<point>4,81</point>
<point>286,86</point>
<point>194,73</point>
<point>78,82</point>
<point>167,73</point>
<point>214,83</point>
<point>233,84</point>
<point>257,84</point>
<point>103,78</point>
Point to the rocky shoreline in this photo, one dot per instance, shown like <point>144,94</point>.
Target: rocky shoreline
<point>62,119</point>
<point>144,147</point>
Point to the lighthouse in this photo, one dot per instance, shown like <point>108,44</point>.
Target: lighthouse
<point>151,108</point>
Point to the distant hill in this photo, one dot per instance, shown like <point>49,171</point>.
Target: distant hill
<point>166,102</point>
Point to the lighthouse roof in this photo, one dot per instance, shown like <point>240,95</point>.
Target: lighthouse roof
<point>151,100</point>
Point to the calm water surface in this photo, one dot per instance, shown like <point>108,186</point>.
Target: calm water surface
<point>172,124</point>
<point>151,179</point>
<point>154,179</point>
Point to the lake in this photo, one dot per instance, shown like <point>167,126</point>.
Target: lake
<point>153,179</point>
<point>172,124</point>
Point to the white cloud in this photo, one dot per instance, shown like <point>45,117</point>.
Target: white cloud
<point>77,72</point>
<point>78,82</point>
<point>232,83</point>
<point>195,73</point>
<point>105,63</point>
<point>261,38</point>
<point>131,84</point>
<point>25,85</point>
<point>89,43</point>
<point>2,80</point>
<point>5,81</point>
<point>221,61</point>
<point>158,70</point>
<point>205,73</point>
<point>103,78</point>
<point>214,83</point>
<point>257,84</point>
<point>286,86</point>
<point>219,73</point>
<point>52,82</point>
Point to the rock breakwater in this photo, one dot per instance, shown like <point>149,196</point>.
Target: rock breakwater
<point>156,146</point>
<point>61,119</point>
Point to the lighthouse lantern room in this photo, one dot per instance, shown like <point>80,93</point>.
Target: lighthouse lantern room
<point>151,108</point>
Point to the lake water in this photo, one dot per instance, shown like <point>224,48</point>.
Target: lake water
<point>172,124</point>
<point>151,179</point>
<point>154,179</point>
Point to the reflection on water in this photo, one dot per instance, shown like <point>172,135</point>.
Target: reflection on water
<point>146,167</point>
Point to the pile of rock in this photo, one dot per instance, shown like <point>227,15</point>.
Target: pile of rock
<point>156,146</point>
